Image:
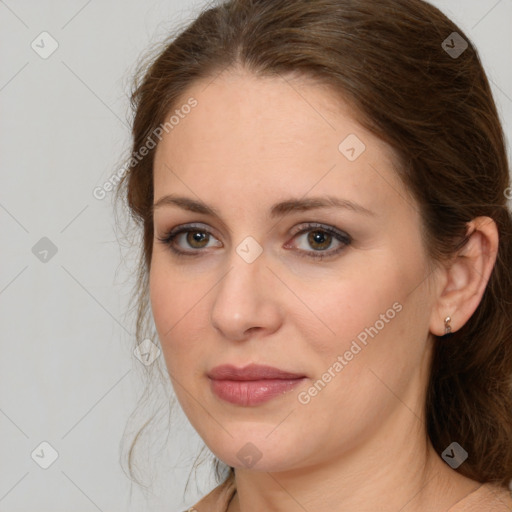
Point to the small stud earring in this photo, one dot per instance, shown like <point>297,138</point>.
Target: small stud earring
<point>447,326</point>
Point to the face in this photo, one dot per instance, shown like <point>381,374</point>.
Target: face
<point>336,294</point>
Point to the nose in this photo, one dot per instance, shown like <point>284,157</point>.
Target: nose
<point>245,299</point>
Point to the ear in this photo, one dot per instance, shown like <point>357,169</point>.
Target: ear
<point>465,280</point>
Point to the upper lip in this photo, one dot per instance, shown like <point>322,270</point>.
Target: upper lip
<point>250,372</point>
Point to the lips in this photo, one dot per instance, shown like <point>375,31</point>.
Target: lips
<point>251,372</point>
<point>251,385</point>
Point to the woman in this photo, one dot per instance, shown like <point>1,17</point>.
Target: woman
<point>322,190</point>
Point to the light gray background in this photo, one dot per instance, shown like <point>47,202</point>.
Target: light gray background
<point>67,372</point>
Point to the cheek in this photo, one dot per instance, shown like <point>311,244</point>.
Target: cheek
<point>370,319</point>
<point>172,292</point>
<point>181,308</point>
<point>162,299</point>
<point>367,349</point>
<point>346,306</point>
<point>172,304</point>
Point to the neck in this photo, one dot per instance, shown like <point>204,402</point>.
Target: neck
<point>387,473</point>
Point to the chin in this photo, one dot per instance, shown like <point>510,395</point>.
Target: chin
<point>255,453</point>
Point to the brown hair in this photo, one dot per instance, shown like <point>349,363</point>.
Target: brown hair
<point>434,109</point>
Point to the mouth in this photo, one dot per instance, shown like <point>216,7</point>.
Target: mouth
<point>252,384</point>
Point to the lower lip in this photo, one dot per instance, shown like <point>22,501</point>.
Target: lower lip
<point>252,392</point>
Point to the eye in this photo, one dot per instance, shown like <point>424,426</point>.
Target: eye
<point>319,237</point>
<point>194,236</point>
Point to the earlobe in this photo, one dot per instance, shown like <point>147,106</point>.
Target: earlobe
<point>466,278</point>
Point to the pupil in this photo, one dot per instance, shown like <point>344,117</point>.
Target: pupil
<point>196,237</point>
<point>319,237</point>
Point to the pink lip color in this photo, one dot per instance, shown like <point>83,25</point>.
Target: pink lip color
<point>252,392</point>
<point>251,385</point>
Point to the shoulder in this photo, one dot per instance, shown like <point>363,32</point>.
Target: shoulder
<point>488,497</point>
<point>218,499</point>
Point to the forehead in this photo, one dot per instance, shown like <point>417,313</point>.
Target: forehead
<point>272,136</point>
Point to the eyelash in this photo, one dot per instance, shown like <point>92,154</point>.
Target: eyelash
<point>346,240</point>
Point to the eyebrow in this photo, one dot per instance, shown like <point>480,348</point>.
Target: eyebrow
<point>277,210</point>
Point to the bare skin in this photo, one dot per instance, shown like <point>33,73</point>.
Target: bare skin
<point>359,444</point>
